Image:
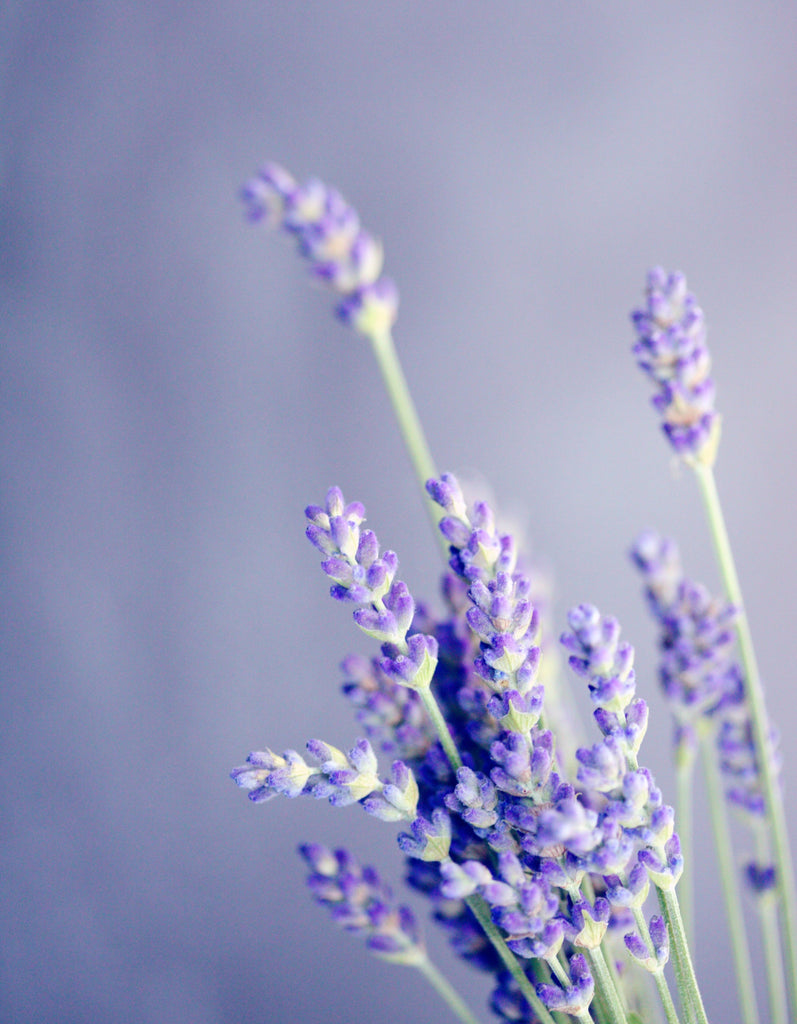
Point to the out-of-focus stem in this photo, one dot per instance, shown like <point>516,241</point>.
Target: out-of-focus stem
<point>768,911</point>
<point>730,884</point>
<point>447,992</point>
<point>784,870</point>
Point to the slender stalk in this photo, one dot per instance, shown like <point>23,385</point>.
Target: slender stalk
<point>784,870</point>
<point>768,911</point>
<point>439,723</point>
<point>605,979</point>
<point>447,992</point>
<point>420,455</point>
<point>481,912</point>
<point>730,884</point>
<point>691,1000</point>
<point>666,998</point>
<point>605,984</point>
<point>408,420</point>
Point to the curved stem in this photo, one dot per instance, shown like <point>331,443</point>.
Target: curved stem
<point>730,884</point>
<point>754,694</point>
<point>447,992</point>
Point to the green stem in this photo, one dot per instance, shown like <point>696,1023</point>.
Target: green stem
<point>730,882</point>
<point>768,910</point>
<point>408,420</point>
<point>481,912</point>
<point>666,998</point>
<point>691,1000</point>
<point>439,723</point>
<point>605,985</point>
<point>447,992</point>
<point>784,870</point>
<point>602,976</point>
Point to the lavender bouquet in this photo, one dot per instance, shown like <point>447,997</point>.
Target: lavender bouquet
<point>553,862</point>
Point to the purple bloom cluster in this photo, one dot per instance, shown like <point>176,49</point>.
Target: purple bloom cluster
<point>343,779</point>
<point>330,237</point>
<point>700,674</point>
<point>363,904</point>
<point>632,816</point>
<point>671,349</point>
<point>698,670</point>
<point>506,827</point>
<point>385,607</point>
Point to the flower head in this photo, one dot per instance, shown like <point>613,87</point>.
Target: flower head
<point>671,349</point>
<point>327,229</point>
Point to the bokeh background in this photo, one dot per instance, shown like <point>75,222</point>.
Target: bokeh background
<point>174,393</point>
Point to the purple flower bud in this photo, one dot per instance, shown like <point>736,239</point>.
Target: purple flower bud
<point>760,877</point>
<point>660,938</point>
<point>398,800</point>
<point>588,923</point>
<point>635,891</point>
<point>371,308</point>
<point>428,840</point>
<point>574,999</point>
<point>463,880</point>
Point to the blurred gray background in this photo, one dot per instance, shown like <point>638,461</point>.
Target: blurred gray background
<point>174,393</point>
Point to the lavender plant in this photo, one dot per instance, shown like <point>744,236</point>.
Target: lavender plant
<point>557,875</point>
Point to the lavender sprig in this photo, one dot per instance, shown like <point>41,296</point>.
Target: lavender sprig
<point>634,805</point>
<point>343,779</point>
<point>349,260</point>
<point>361,903</point>
<point>385,608</point>
<point>547,867</point>
<point>682,317</point>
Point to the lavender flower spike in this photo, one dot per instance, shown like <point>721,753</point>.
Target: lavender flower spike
<point>366,578</point>
<point>343,779</point>
<point>360,902</point>
<point>671,349</point>
<point>330,238</point>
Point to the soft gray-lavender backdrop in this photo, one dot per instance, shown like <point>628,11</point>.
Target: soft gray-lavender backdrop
<point>174,393</point>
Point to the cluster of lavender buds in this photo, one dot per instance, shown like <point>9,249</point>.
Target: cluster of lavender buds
<point>327,230</point>
<point>360,902</point>
<point>671,349</point>
<point>702,679</point>
<point>539,864</point>
<point>698,669</point>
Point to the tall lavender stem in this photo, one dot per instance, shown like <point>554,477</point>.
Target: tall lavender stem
<point>784,873</point>
<point>730,885</point>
